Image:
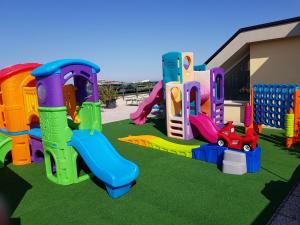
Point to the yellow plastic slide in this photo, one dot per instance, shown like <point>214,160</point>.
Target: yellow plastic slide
<point>160,144</point>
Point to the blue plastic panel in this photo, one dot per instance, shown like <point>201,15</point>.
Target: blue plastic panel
<point>253,159</point>
<point>35,132</point>
<point>215,154</point>
<point>272,102</point>
<point>4,131</point>
<point>201,67</point>
<point>171,68</point>
<point>209,153</point>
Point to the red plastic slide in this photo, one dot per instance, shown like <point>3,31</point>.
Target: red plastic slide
<point>206,127</point>
<point>139,117</point>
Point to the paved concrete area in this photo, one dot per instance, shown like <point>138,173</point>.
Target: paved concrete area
<point>289,211</point>
<point>121,112</point>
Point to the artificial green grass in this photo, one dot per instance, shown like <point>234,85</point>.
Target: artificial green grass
<point>171,189</point>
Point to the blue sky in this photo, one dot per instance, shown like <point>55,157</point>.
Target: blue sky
<point>126,38</point>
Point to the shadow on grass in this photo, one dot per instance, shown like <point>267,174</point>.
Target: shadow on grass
<point>295,150</point>
<point>12,190</point>
<point>101,184</point>
<point>98,182</point>
<point>276,192</point>
<point>82,168</point>
<point>159,124</point>
<point>277,140</point>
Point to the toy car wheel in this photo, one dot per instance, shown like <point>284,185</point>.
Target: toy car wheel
<point>246,148</point>
<point>221,142</point>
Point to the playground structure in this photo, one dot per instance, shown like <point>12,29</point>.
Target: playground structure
<point>276,106</point>
<point>194,105</point>
<point>187,93</point>
<point>61,123</point>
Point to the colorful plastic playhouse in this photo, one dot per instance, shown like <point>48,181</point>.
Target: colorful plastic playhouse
<point>19,113</point>
<point>194,104</point>
<point>65,126</point>
<point>191,98</point>
<point>276,106</point>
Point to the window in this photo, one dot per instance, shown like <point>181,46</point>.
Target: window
<point>41,92</point>
<point>218,87</point>
<point>176,101</point>
<point>237,81</point>
<point>193,99</point>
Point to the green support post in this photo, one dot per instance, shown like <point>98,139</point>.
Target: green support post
<point>56,134</point>
<point>5,147</point>
<point>90,116</point>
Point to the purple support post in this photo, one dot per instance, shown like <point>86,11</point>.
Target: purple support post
<point>187,88</point>
<point>36,146</point>
<point>217,96</point>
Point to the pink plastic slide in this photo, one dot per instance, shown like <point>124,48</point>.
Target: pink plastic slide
<point>206,127</point>
<point>139,117</point>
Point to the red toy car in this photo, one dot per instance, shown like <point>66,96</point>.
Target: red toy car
<point>228,137</point>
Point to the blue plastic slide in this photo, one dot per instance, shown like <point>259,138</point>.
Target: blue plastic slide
<point>105,162</point>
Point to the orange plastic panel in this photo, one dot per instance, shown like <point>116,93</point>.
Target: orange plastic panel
<point>20,150</point>
<point>30,103</point>
<point>297,113</point>
<point>289,142</point>
<point>13,101</point>
<point>296,139</point>
<point>2,118</point>
<point>70,102</point>
<point>258,128</point>
<point>12,80</point>
<point>252,113</point>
